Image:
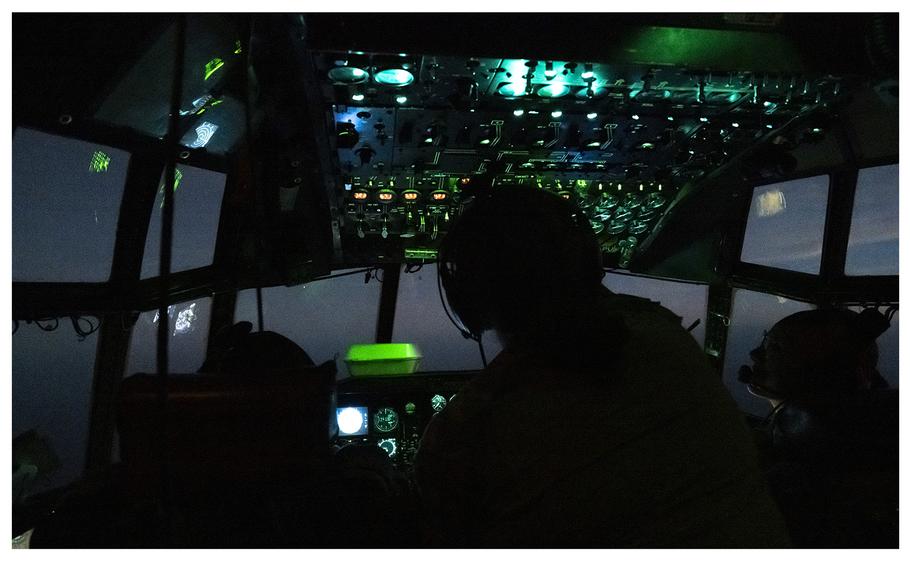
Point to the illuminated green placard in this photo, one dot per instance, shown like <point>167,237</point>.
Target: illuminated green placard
<point>212,66</point>
<point>100,162</point>
<point>178,175</point>
<point>237,48</point>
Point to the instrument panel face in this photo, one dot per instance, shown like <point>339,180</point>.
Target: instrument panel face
<point>393,412</point>
<point>410,130</point>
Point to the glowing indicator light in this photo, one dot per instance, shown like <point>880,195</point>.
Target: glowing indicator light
<point>565,195</point>
<point>357,97</point>
<point>439,196</point>
<point>670,118</point>
<point>549,72</point>
<point>556,113</point>
<point>635,117</point>
<point>360,195</point>
<point>204,133</point>
<point>410,408</point>
<point>512,90</point>
<point>238,48</point>
<point>592,115</point>
<point>100,162</point>
<point>769,126</point>
<point>386,196</point>
<point>647,146</point>
<point>394,77</point>
<point>410,195</point>
<point>401,99</point>
<point>554,91</point>
<point>633,93</point>
<point>351,420</point>
<point>734,124</point>
<point>703,119</point>
<point>767,104</point>
<point>733,97</point>
<point>485,141</point>
<point>816,130</point>
<point>518,112</point>
<point>588,72</point>
<point>212,66</point>
<point>438,402</point>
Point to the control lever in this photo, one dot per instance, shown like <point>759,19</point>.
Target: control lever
<point>385,226</point>
<point>423,223</point>
<point>435,232</point>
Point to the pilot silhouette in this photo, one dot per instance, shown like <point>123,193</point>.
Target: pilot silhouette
<point>600,424</point>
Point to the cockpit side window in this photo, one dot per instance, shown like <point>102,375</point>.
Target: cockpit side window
<point>323,317</point>
<point>752,315</point>
<point>687,300</point>
<point>786,225</point>
<point>189,329</point>
<point>197,208</point>
<point>51,394</point>
<point>66,203</point>
<point>873,246</point>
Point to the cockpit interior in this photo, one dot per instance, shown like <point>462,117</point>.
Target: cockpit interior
<point>299,172</point>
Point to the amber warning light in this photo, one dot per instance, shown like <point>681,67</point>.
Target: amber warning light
<point>386,196</point>
<point>360,195</point>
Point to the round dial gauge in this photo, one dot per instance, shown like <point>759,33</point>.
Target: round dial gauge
<point>389,445</point>
<point>438,402</point>
<point>385,419</point>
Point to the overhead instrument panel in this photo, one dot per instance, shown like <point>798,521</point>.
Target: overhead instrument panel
<point>410,130</point>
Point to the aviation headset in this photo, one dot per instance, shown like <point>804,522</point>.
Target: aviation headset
<point>514,248</point>
<point>862,328</point>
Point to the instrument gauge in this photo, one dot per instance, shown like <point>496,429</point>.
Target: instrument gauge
<point>438,402</point>
<point>385,419</point>
<point>389,445</point>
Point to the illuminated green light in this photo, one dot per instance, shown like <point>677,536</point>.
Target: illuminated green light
<point>633,93</point>
<point>421,253</point>
<point>366,352</point>
<point>767,103</point>
<point>518,112</point>
<point>703,119</point>
<point>430,141</point>
<point>212,66</point>
<point>438,402</point>
<point>100,162</point>
<point>401,99</point>
<point>485,141</point>
<point>554,91</point>
<point>647,146</point>
<point>410,408</point>
<point>556,113</point>
<point>733,97</point>
<point>667,94</point>
<point>394,77</point>
<point>357,97</point>
<point>216,102</point>
<point>238,49</point>
<point>512,90</point>
<point>769,126</point>
<point>592,115</point>
<point>178,175</point>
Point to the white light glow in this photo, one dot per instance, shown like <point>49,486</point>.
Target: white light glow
<point>204,133</point>
<point>350,420</point>
<point>185,319</point>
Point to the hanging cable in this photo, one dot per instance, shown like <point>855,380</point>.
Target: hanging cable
<point>54,324</point>
<point>84,326</point>
<point>483,355</point>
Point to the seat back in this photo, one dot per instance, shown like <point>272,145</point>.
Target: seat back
<point>225,429</point>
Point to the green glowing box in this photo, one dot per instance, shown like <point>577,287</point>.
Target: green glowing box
<point>373,359</point>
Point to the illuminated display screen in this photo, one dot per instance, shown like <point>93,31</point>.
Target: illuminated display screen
<point>410,195</point>
<point>360,195</point>
<point>386,196</point>
<point>439,196</point>
<point>352,420</point>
